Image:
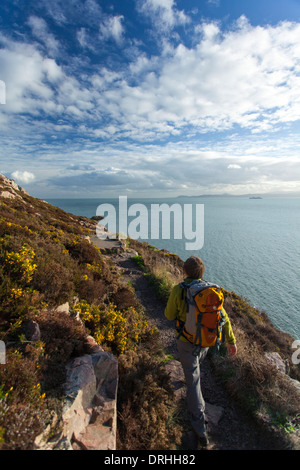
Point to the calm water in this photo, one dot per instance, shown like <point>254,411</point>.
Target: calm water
<point>251,246</point>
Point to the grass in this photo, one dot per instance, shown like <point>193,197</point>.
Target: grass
<point>162,268</point>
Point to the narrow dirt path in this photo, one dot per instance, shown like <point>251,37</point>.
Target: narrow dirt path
<point>234,431</point>
<point>154,307</point>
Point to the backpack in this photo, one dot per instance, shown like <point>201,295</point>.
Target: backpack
<point>204,317</point>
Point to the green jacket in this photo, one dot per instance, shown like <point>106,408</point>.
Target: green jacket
<point>176,308</point>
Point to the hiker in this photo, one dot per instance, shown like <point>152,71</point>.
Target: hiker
<point>177,309</point>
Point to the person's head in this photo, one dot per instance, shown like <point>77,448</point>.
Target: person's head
<point>194,267</point>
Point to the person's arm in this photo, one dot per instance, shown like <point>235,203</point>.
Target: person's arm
<point>171,309</point>
<point>229,336</point>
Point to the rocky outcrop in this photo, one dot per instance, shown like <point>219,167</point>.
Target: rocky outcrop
<point>90,406</point>
<point>276,361</point>
<point>89,409</point>
<point>9,195</point>
<point>9,189</point>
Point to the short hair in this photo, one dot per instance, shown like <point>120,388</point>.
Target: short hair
<point>194,267</point>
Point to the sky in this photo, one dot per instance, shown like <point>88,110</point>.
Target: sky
<point>150,98</point>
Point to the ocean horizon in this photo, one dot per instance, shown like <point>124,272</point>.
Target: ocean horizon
<point>250,246</point>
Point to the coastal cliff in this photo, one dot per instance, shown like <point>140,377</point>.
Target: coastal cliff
<point>90,361</point>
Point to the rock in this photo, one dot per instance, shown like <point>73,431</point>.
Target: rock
<point>296,384</point>
<point>63,444</point>
<point>89,418</point>
<point>63,308</point>
<point>90,411</point>
<point>213,414</point>
<point>175,371</point>
<point>32,331</point>
<point>275,359</point>
<point>93,345</point>
<point>12,187</point>
<point>9,195</point>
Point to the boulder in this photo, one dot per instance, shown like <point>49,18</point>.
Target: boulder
<point>63,308</point>
<point>275,359</point>
<point>89,418</point>
<point>90,409</point>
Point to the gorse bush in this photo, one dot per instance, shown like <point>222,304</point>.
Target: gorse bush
<point>20,264</point>
<point>119,331</point>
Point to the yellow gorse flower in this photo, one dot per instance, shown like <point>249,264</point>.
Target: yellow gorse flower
<point>16,293</point>
<point>22,262</point>
<point>120,330</point>
<point>96,268</point>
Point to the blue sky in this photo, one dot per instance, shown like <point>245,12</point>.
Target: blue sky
<point>150,97</point>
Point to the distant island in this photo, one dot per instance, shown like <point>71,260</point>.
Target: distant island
<point>255,197</point>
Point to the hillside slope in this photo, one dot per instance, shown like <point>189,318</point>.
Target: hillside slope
<point>47,259</point>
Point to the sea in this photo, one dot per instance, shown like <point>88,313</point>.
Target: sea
<point>249,246</point>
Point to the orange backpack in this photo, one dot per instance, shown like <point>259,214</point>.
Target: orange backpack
<point>204,317</point>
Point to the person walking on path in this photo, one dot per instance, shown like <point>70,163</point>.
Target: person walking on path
<point>176,309</point>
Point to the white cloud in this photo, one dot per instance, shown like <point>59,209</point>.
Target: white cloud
<point>40,31</point>
<point>214,2</point>
<point>163,13</point>
<point>234,166</point>
<point>248,77</point>
<point>23,176</point>
<point>37,84</point>
<point>85,40</point>
<point>112,28</point>
<point>25,72</point>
